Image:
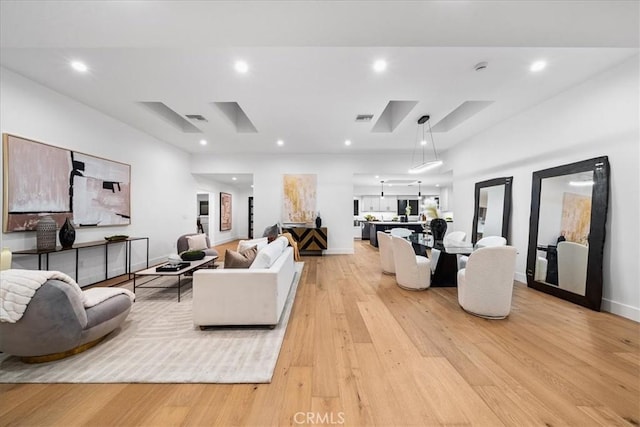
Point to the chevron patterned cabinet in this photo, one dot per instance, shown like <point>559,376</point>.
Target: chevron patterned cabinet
<point>311,241</point>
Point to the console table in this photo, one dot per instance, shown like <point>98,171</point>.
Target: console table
<point>43,255</point>
<point>311,241</point>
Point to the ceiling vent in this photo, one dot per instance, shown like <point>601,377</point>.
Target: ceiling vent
<point>197,117</point>
<point>364,117</point>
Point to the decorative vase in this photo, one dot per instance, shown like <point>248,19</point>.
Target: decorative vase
<point>5,259</point>
<point>318,221</point>
<point>438,229</point>
<point>67,234</point>
<point>46,234</point>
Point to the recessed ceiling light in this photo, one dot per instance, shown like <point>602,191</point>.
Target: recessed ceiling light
<point>251,185</point>
<point>538,66</point>
<point>437,185</point>
<point>377,176</point>
<point>203,142</point>
<point>380,65</point>
<point>241,67</point>
<point>280,143</point>
<point>79,66</point>
<point>423,142</point>
<point>347,142</point>
<point>234,178</point>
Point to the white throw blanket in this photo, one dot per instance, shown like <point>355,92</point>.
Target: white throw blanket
<point>17,287</point>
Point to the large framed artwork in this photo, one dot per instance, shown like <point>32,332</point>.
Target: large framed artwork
<point>225,211</point>
<point>299,199</point>
<point>41,179</point>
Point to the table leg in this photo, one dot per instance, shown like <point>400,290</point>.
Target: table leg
<point>179,276</point>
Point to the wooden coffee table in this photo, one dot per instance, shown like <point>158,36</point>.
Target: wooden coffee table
<point>193,265</point>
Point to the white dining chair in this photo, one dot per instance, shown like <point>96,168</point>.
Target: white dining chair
<point>401,232</point>
<point>386,253</point>
<point>485,242</point>
<point>413,272</point>
<point>485,286</point>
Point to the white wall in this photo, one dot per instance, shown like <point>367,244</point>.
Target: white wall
<point>598,117</point>
<point>163,191</point>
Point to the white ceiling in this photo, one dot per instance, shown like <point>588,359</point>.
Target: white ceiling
<point>311,63</point>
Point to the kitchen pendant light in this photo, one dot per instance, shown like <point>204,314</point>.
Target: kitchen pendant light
<point>382,189</point>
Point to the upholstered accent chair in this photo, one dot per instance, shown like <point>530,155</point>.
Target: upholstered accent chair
<point>413,272</point>
<point>183,244</point>
<point>385,246</point>
<point>485,286</point>
<point>57,323</point>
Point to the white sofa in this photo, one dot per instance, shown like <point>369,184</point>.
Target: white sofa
<point>253,296</point>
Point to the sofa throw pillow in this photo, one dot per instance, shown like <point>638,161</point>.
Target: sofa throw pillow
<point>270,253</point>
<point>244,259</point>
<point>197,242</point>
<point>271,232</point>
<point>246,244</point>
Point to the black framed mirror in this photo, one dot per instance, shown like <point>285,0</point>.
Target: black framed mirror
<point>567,231</point>
<point>492,209</point>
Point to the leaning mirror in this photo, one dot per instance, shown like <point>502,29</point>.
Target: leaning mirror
<point>492,209</point>
<point>566,231</point>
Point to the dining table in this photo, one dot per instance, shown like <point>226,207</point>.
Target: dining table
<point>445,272</point>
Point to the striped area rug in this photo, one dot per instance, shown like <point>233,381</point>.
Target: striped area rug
<point>158,343</point>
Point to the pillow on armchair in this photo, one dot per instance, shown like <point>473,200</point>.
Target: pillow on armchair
<point>197,242</point>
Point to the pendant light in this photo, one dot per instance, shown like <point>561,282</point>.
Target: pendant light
<point>424,165</point>
<point>382,189</point>
<point>419,193</point>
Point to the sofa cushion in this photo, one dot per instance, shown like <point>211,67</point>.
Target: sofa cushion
<point>271,232</point>
<point>246,244</point>
<point>270,253</point>
<point>197,242</point>
<point>244,259</point>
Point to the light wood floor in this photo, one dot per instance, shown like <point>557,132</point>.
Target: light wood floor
<point>362,351</point>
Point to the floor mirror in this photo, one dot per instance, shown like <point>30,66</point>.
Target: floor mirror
<point>567,231</point>
<point>492,209</point>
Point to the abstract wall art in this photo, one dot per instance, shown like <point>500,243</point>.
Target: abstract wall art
<point>576,217</point>
<point>225,211</point>
<point>41,179</point>
<point>299,200</point>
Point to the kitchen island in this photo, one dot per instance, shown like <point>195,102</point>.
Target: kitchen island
<point>375,226</point>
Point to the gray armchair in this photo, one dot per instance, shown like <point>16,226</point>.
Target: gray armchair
<point>183,245</point>
<point>56,324</point>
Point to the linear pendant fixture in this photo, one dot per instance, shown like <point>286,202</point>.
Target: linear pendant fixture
<point>424,165</point>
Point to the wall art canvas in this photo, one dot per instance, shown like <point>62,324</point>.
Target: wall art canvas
<point>299,199</point>
<point>225,211</point>
<point>41,179</point>
<point>576,217</point>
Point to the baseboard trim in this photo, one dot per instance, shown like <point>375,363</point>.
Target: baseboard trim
<point>521,277</point>
<point>623,310</point>
<point>339,251</point>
